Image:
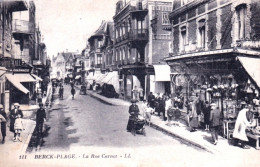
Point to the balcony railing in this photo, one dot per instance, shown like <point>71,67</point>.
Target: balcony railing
<point>24,27</point>
<point>139,34</point>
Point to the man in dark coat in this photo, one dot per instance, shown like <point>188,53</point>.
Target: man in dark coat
<point>151,100</point>
<point>73,92</point>
<point>3,122</point>
<point>215,122</point>
<point>40,118</point>
<point>13,115</point>
<point>133,111</point>
<point>61,90</point>
<point>162,107</point>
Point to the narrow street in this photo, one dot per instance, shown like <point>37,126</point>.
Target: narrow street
<point>86,121</point>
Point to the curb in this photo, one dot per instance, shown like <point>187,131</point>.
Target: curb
<point>100,99</point>
<point>48,98</point>
<point>157,127</point>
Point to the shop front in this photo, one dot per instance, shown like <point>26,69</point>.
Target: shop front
<point>230,80</point>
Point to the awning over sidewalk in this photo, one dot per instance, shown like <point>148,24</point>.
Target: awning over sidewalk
<point>109,77</point>
<point>36,77</point>
<point>162,72</point>
<point>252,66</point>
<point>23,77</point>
<point>100,78</point>
<point>15,81</point>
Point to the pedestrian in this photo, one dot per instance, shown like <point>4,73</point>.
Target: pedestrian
<point>134,112</point>
<point>135,93</point>
<point>40,119</point>
<point>162,107</point>
<point>73,91</point>
<point>193,116</point>
<point>151,100</point>
<point>18,127</point>
<point>147,114</point>
<point>157,104</point>
<point>13,116</point>
<point>241,124</point>
<point>141,94</point>
<point>215,122</point>
<point>206,111</point>
<point>168,105</point>
<point>61,90</point>
<point>3,119</point>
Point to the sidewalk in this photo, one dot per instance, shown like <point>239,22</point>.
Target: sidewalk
<point>111,101</point>
<point>199,138</point>
<point>11,147</point>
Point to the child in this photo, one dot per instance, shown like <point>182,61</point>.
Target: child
<point>147,114</point>
<point>18,127</point>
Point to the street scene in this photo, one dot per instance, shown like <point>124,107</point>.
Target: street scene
<point>130,83</point>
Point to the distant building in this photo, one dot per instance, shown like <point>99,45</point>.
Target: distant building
<point>141,41</point>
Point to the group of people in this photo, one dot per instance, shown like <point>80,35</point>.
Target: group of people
<point>16,122</point>
<point>61,90</point>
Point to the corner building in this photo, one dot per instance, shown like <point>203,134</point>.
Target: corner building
<point>216,51</point>
<point>141,41</point>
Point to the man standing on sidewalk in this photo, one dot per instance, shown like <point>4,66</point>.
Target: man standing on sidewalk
<point>3,122</point>
<point>40,119</point>
<point>215,116</point>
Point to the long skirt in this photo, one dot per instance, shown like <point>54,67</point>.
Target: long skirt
<point>130,124</point>
<point>194,123</point>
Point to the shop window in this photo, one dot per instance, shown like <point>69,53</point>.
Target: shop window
<point>99,44</point>
<point>165,19</point>
<point>202,34</point>
<point>183,37</point>
<point>241,14</point>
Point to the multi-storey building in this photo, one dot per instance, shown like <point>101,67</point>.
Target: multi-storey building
<point>216,50</point>
<point>141,41</point>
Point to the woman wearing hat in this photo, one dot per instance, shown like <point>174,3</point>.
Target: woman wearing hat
<point>13,115</point>
<point>3,119</point>
<point>215,117</point>
<point>134,112</point>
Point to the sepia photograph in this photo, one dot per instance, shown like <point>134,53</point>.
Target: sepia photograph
<point>130,83</point>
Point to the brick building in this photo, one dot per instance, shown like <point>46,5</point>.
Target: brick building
<point>214,43</point>
<point>141,41</point>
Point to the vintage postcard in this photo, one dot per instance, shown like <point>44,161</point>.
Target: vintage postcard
<point>129,83</point>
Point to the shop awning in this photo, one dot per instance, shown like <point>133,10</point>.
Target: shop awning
<point>36,77</point>
<point>101,78</point>
<point>22,77</point>
<point>252,66</point>
<point>109,77</point>
<point>162,72</point>
<point>16,82</point>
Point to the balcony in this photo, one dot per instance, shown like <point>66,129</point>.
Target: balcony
<point>21,28</point>
<point>139,11</point>
<point>139,35</point>
<point>16,6</point>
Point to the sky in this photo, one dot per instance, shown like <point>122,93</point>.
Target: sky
<point>67,24</point>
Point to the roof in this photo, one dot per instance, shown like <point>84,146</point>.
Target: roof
<point>101,30</point>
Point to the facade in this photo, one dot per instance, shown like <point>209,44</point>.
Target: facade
<point>17,30</point>
<point>216,51</point>
<point>141,41</point>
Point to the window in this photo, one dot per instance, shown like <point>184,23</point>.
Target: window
<point>241,14</point>
<point>183,2</point>
<point>99,59</point>
<point>165,19</point>
<point>99,44</point>
<point>183,37</point>
<point>201,37</point>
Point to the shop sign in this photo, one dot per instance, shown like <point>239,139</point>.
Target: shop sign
<point>21,70</point>
<point>249,44</point>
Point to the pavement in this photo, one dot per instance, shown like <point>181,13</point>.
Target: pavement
<point>11,147</point>
<point>199,138</point>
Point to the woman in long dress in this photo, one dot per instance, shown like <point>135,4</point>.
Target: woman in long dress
<point>194,123</point>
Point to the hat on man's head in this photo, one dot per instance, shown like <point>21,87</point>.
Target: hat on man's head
<point>40,104</point>
<point>16,104</point>
<point>1,106</point>
<point>133,101</point>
